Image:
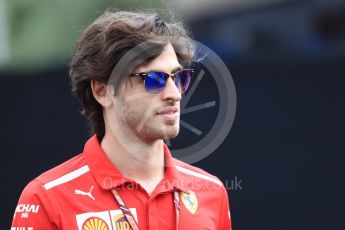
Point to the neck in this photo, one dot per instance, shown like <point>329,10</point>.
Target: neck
<point>143,162</point>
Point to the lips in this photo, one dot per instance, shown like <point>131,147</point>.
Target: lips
<point>168,110</point>
<point>169,115</point>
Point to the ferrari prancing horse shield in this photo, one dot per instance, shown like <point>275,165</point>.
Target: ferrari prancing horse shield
<point>189,201</point>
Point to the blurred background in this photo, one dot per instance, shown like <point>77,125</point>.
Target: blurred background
<point>287,61</point>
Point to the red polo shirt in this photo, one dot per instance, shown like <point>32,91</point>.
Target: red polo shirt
<point>76,195</point>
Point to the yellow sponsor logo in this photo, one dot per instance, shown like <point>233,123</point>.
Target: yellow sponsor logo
<point>121,222</point>
<point>95,223</point>
<point>190,201</point>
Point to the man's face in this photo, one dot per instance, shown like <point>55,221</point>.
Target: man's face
<point>151,116</point>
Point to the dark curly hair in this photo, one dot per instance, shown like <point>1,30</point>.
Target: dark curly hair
<point>106,40</point>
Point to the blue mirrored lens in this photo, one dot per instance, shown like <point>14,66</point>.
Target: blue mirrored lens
<point>182,80</point>
<point>155,82</point>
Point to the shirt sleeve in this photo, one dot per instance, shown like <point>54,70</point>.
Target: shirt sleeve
<point>34,210</point>
<point>225,217</point>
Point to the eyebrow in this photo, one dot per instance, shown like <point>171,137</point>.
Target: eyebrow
<point>177,69</point>
<point>173,71</point>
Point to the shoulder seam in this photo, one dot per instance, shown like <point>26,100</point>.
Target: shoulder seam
<point>199,175</point>
<point>67,177</point>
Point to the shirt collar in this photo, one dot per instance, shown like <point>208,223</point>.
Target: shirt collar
<point>172,177</point>
<point>108,176</point>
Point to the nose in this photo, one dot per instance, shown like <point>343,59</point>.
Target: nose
<point>170,91</point>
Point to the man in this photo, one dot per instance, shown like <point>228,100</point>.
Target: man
<point>126,177</point>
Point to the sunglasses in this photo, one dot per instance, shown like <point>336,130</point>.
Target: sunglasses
<point>155,81</point>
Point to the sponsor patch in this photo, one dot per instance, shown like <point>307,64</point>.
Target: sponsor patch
<point>26,209</point>
<point>119,221</point>
<point>82,219</point>
<point>190,201</point>
<point>105,220</point>
<point>95,223</point>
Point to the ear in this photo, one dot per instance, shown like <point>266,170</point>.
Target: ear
<point>102,93</point>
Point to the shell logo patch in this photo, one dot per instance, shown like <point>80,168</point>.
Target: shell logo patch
<point>190,201</point>
<point>95,223</point>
